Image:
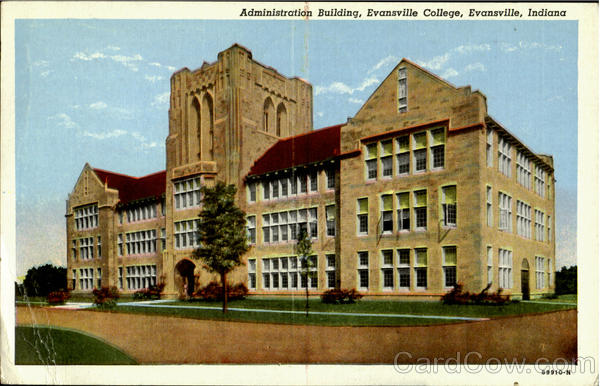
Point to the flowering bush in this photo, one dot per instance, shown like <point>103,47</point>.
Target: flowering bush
<point>457,296</point>
<point>105,298</point>
<point>340,296</point>
<point>150,293</point>
<point>58,297</point>
<point>214,291</point>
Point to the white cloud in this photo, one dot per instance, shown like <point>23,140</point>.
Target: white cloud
<point>153,78</point>
<point>63,120</point>
<point>465,49</point>
<point>320,113</point>
<point>383,62</point>
<point>450,73</point>
<point>128,61</point>
<point>475,67</point>
<point>44,74</point>
<point>508,47</point>
<point>98,105</point>
<point>161,100</point>
<point>436,63</point>
<point>355,100</point>
<point>85,57</point>
<point>156,64</point>
<point>524,45</point>
<point>113,48</point>
<point>105,135</point>
<point>342,88</point>
<point>40,63</point>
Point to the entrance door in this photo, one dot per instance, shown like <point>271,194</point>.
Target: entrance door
<point>185,268</point>
<point>525,279</point>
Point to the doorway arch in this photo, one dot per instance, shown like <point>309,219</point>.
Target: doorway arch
<point>525,279</point>
<point>185,268</point>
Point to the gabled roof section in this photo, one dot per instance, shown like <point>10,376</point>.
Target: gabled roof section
<point>134,188</point>
<point>303,149</point>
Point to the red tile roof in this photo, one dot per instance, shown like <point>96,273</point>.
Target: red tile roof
<point>134,188</point>
<point>315,146</point>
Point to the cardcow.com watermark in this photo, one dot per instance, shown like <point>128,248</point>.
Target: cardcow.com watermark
<point>471,362</point>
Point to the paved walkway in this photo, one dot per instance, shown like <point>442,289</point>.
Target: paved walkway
<point>153,339</point>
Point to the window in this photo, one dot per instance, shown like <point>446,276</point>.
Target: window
<point>99,285</point>
<point>550,271</point>
<point>421,267</point>
<point>549,228</point>
<point>371,161</point>
<point>540,274</point>
<point>489,148</point>
<point>86,217</point>
<point>120,217</point>
<point>402,155</point>
<point>403,211</point>
<point>86,248</point>
<point>362,214</point>
<point>251,229</point>
<point>449,205</point>
<point>163,239</point>
<point>293,181</point>
<point>330,174</point>
<point>283,187</point>
<point>314,181</point>
<point>252,192</point>
<point>490,265</point>
<point>74,250</point>
<point>404,268</point>
<point>302,183</point>
<point>275,227</point>
<point>523,170</point>
<point>274,189</point>
<point>141,242</point>
<point>505,268</point>
<point>420,152</point>
<point>489,210</point>
<point>266,188</point>
<point>187,193</point>
<point>330,271</point>
<point>186,234</point>
<point>282,273</point>
<point>386,159</point>
<point>387,214</point>
<point>420,209</point>
<point>74,279</point>
<point>402,91</point>
<point>266,221</point>
<point>120,244</point>
<point>523,219</point>
<point>313,222</point>
<point>330,214</point>
<point>438,141</point>
<point>142,213</point>
<point>302,221</point>
<point>449,266</point>
<point>283,227</point>
<point>505,217</point>
<point>387,270</point>
<point>120,277</point>
<point>292,215</point>
<point>99,247</point>
<point>363,270</point>
<point>140,276</point>
<point>251,273</point>
<point>504,159</point>
<point>86,278</point>
<point>539,225</point>
<point>540,177</point>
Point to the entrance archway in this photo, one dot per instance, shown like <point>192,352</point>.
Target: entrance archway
<point>185,268</point>
<point>525,279</point>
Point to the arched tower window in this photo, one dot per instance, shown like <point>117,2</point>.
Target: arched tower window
<point>207,128</point>
<point>281,121</point>
<point>268,115</point>
<point>195,122</point>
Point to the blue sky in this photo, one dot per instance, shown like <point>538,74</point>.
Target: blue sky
<point>97,91</point>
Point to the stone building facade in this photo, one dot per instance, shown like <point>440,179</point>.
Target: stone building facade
<point>419,190</point>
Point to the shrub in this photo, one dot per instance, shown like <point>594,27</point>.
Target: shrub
<point>340,296</point>
<point>214,291</point>
<point>458,296</point>
<point>105,298</point>
<point>154,292</point>
<point>58,297</point>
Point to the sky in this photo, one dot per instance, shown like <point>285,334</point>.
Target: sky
<point>97,91</point>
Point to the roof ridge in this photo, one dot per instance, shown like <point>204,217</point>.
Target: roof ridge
<point>127,175</point>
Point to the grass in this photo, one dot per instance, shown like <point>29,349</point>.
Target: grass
<point>567,298</point>
<point>364,306</point>
<point>43,345</point>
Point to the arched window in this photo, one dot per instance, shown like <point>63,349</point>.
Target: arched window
<point>281,121</point>
<point>207,128</point>
<point>268,115</point>
<point>194,125</point>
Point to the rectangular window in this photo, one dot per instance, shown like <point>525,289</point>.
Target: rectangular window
<point>293,182</point>
<point>252,274</point>
<point>274,189</point>
<point>420,152</point>
<point>489,207</point>
<point>330,214</point>
<point>489,148</point>
<point>523,219</point>
<point>187,193</point>
<point>302,221</point>
<point>330,271</point>
<point>252,192</point>
<point>86,217</point>
<point>363,270</point>
<point>302,183</point>
<point>74,249</point>
<point>449,205</point>
<point>99,280</point>
<point>490,265</point>
<point>330,174</point>
<point>141,242</point>
<point>505,215</point>
<point>283,187</point>
<point>251,229</point>
<point>371,161</point>
<point>86,248</point>
<point>438,142</point>
<point>86,279</point>
<point>387,214</point>
<point>275,227</point>
<point>550,272</point>
<point>283,226</point>
<point>292,215</point>
<point>120,277</point>
<point>403,211</point>
<point>387,270</point>
<point>505,268</point>
<point>504,157</point>
<point>140,276</point>
<point>313,222</point>
<point>523,170</point>
<point>99,247</point>
<point>386,158</point>
<point>402,91</point>
<point>266,221</point>
<point>540,178</point>
<point>74,279</point>
<point>120,244</point>
<point>142,213</point>
<point>449,266</point>
<point>420,209</point>
<point>421,267</point>
<point>540,274</point>
<point>540,228</point>
<point>362,214</point>
<point>186,234</point>
<point>402,155</point>
<point>404,268</point>
<point>313,177</point>
<point>266,188</point>
<point>549,228</point>
<point>163,239</point>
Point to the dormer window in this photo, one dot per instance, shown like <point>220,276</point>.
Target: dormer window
<point>402,91</point>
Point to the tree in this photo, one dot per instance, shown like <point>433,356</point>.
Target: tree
<point>42,280</point>
<point>566,281</point>
<point>221,232</point>
<point>304,250</point>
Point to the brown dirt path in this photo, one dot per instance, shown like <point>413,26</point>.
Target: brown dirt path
<point>154,339</point>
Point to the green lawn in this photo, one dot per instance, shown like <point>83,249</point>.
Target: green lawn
<point>43,345</point>
<point>568,298</point>
<point>364,306</point>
